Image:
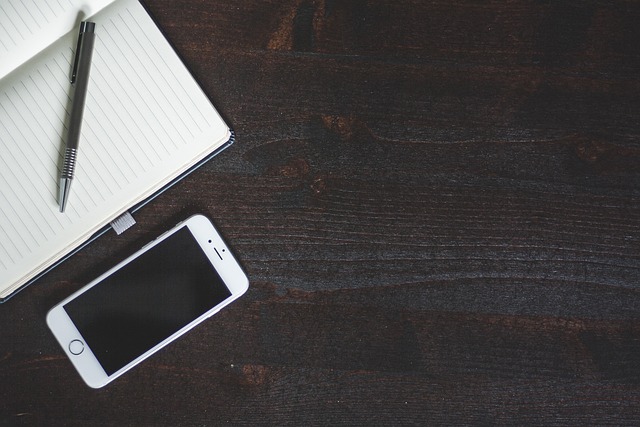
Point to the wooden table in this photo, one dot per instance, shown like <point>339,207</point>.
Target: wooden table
<point>438,206</point>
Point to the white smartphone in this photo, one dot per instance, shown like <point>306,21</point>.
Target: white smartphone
<point>148,300</point>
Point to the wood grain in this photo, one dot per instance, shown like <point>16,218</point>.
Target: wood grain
<point>437,204</point>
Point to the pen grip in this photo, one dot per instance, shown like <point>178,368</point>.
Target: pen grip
<point>80,90</point>
<point>69,165</point>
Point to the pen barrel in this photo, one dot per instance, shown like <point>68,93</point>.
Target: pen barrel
<point>69,164</point>
<point>80,89</point>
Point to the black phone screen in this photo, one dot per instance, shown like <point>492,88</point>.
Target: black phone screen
<point>147,300</point>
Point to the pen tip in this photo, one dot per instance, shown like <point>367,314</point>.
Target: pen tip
<point>65,184</point>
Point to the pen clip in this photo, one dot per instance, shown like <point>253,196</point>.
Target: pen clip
<point>84,27</point>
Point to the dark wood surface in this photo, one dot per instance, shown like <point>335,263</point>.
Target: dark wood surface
<point>438,207</point>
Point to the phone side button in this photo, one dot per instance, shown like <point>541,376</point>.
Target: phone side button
<point>76,347</point>
<point>147,245</point>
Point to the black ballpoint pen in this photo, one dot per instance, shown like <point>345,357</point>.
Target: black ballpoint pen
<point>80,81</point>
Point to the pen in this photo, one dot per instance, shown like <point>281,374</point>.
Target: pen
<point>79,81</point>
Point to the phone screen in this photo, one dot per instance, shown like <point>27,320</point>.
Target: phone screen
<point>147,300</point>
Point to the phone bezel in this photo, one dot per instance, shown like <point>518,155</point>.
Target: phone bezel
<point>227,267</point>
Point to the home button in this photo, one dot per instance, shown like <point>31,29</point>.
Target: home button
<point>76,347</point>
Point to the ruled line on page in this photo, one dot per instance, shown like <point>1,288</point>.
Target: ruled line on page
<point>136,73</point>
<point>160,87</point>
<point>16,176</point>
<point>113,98</point>
<point>22,206</point>
<point>130,96</point>
<point>32,163</point>
<point>140,35</point>
<point>153,66</point>
<point>22,19</point>
<point>13,237</point>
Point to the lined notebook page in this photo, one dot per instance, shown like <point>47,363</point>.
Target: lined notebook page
<point>145,122</point>
<point>29,26</point>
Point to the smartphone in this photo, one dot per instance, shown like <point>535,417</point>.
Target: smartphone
<point>146,301</point>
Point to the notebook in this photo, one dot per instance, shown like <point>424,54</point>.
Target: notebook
<point>146,124</point>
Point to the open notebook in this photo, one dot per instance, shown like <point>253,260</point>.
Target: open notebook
<point>146,124</point>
